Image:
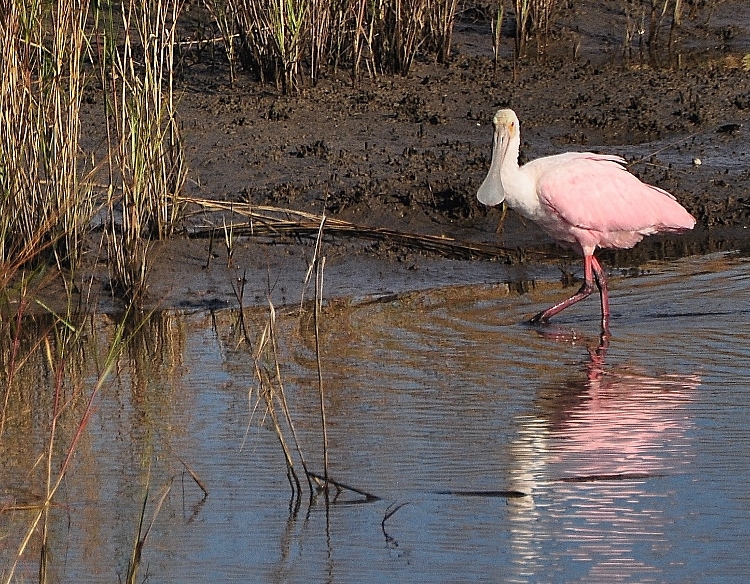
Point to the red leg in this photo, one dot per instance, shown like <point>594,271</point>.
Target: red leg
<point>601,282</point>
<point>592,272</point>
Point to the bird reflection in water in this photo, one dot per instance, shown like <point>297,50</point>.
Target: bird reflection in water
<point>593,455</point>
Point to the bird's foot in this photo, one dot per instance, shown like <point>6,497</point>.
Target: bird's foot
<point>540,318</point>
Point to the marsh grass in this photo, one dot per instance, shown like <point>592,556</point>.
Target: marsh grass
<point>226,23</point>
<point>45,207</point>
<point>55,370</point>
<point>47,198</point>
<point>273,39</point>
<point>441,16</point>
<point>645,24</point>
<point>291,42</point>
<point>534,20</point>
<point>146,151</point>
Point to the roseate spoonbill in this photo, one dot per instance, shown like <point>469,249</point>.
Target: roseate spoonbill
<point>583,200</point>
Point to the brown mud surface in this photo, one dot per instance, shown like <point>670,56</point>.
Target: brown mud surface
<point>408,153</point>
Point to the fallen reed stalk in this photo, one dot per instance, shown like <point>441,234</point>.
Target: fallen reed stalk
<point>269,221</point>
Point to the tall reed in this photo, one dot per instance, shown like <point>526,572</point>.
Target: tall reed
<point>44,204</point>
<point>146,152</point>
<point>289,41</point>
<point>534,20</point>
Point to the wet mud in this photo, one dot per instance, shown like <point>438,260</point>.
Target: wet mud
<point>408,153</point>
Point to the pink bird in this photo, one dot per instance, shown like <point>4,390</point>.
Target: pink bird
<point>583,200</point>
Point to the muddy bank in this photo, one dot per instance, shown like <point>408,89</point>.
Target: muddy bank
<point>409,153</point>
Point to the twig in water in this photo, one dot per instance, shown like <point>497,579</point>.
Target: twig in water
<point>319,263</point>
<point>193,475</point>
<point>390,512</point>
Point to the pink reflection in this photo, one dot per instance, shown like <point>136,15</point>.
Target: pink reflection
<point>620,423</point>
<point>596,456</point>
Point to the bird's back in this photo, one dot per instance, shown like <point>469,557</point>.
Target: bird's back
<point>593,199</point>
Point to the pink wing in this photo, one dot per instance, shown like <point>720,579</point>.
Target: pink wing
<point>595,192</point>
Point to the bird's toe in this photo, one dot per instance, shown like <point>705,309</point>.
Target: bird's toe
<point>538,319</point>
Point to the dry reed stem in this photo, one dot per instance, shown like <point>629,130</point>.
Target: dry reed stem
<point>318,263</point>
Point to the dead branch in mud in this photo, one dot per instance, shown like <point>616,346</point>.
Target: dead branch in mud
<point>267,221</point>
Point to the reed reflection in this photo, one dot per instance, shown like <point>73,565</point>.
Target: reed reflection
<point>591,455</point>
<point>88,417</point>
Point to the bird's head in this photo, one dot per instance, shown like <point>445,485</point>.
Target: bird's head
<point>505,122</point>
<point>506,133</point>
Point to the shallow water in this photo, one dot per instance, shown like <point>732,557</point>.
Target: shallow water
<point>519,454</point>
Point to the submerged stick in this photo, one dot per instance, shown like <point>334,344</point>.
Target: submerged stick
<point>369,497</point>
<point>193,475</point>
<point>390,512</point>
